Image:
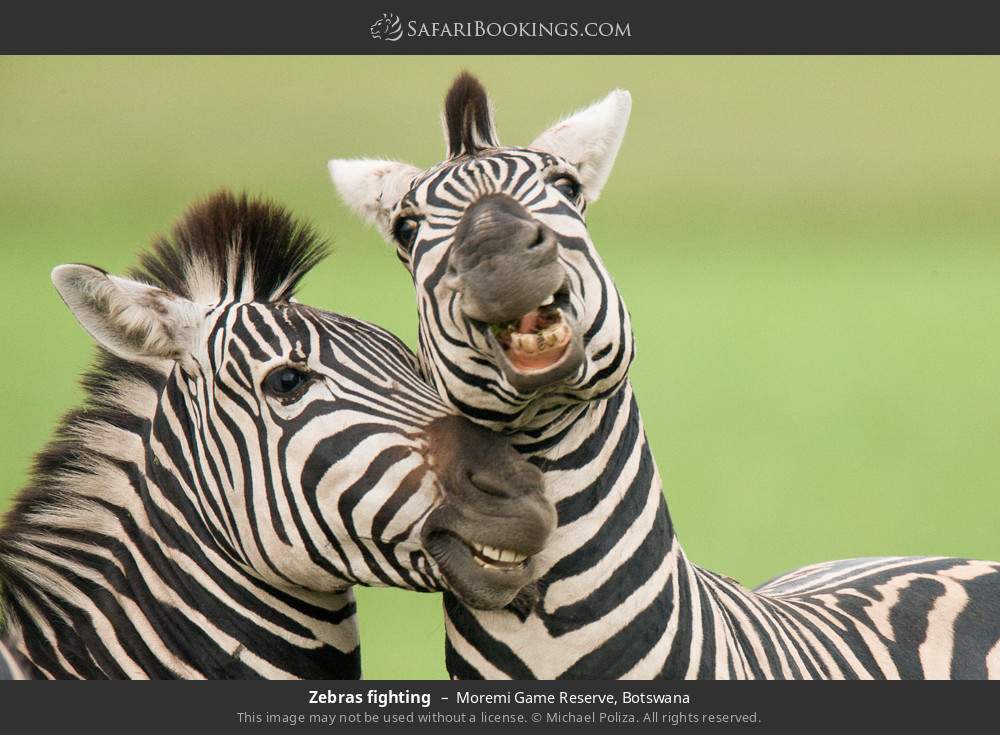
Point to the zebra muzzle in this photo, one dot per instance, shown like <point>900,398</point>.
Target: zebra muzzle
<point>492,518</point>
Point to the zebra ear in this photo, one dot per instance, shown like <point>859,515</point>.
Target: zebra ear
<point>133,320</point>
<point>589,139</point>
<point>372,187</point>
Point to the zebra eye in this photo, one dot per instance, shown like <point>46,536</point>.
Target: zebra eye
<point>568,187</point>
<point>405,231</point>
<point>284,381</point>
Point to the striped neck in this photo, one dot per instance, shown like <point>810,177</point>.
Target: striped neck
<point>609,590</point>
<point>619,598</point>
<point>108,571</point>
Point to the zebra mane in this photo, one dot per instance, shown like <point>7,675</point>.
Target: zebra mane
<point>468,118</point>
<point>223,247</point>
<point>233,247</point>
<point>80,466</point>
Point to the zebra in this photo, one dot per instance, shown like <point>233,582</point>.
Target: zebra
<point>522,329</point>
<point>241,461</point>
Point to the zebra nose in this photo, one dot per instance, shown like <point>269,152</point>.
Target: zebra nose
<point>507,480</point>
<point>498,225</point>
<point>479,467</point>
<point>503,261</point>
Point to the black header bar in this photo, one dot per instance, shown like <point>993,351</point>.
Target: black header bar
<point>511,27</point>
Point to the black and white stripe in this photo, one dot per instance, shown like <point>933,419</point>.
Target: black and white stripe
<point>618,597</point>
<point>187,523</point>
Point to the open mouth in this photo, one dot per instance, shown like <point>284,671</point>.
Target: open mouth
<point>538,340</point>
<point>540,348</point>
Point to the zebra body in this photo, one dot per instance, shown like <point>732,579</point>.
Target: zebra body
<point>620,599</point>
<point>241,462</point>
<point>522,329</point>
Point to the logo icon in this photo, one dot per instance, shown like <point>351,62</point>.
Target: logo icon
<point>387,28</point>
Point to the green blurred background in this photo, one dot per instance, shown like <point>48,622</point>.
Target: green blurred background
<point>809,247</point>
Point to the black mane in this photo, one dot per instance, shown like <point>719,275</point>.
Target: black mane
<point>212,247</point>
<point>229,236</point>
<point>467,117</point>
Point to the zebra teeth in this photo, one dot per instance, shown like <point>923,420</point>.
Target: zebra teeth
<point>524,342</point>
<point>550,300</point>
<point>551,336</point>
<point>486,555</point>
<point>541,345</point>
<point>555,334</point>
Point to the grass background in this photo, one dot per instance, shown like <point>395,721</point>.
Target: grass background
<point>809,247</point>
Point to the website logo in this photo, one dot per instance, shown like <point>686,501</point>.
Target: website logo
<point>390,28</point>
<point>387,28</point>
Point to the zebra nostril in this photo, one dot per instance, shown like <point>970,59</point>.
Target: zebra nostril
<point>489,483</point>
<point>540,237</point>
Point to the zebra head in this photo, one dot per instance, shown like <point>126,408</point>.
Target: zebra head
<point>513,300</point>
<point>303,443</point>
